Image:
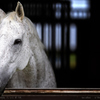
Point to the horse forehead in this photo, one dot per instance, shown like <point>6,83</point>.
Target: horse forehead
<point>12,26</point>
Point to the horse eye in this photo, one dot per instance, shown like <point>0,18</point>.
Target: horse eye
<point>17,41</point>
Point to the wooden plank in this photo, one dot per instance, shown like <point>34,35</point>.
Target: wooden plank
<point>49,91</point>
<point>51,94</point>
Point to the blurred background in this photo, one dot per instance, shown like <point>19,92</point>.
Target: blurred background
<point>69,30</point>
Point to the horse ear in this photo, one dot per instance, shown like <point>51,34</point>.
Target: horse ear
<point>19,11</point>
<point>2,14</point>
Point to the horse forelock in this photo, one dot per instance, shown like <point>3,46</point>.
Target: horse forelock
<point>10,16</point>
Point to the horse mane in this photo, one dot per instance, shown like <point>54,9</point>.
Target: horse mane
<point>33,33</point>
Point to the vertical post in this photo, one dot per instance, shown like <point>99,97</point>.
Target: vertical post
<point>68,34</point>
<point>53,45</point>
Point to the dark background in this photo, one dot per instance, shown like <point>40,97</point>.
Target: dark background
<point>85,72</point>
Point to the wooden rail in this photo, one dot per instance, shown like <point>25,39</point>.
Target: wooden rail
<point>51,94</point>
<point>51,91</point>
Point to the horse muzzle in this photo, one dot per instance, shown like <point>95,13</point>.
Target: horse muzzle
<point>3,82</point>
<point>2,90</point>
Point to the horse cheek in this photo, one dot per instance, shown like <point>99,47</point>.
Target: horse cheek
<point>24,57</point>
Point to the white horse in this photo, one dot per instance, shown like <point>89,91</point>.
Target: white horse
<point>23,62</point>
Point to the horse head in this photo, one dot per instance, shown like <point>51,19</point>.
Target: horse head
<point>15,51</point>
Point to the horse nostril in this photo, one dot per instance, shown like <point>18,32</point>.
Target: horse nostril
<point>17,41</point>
